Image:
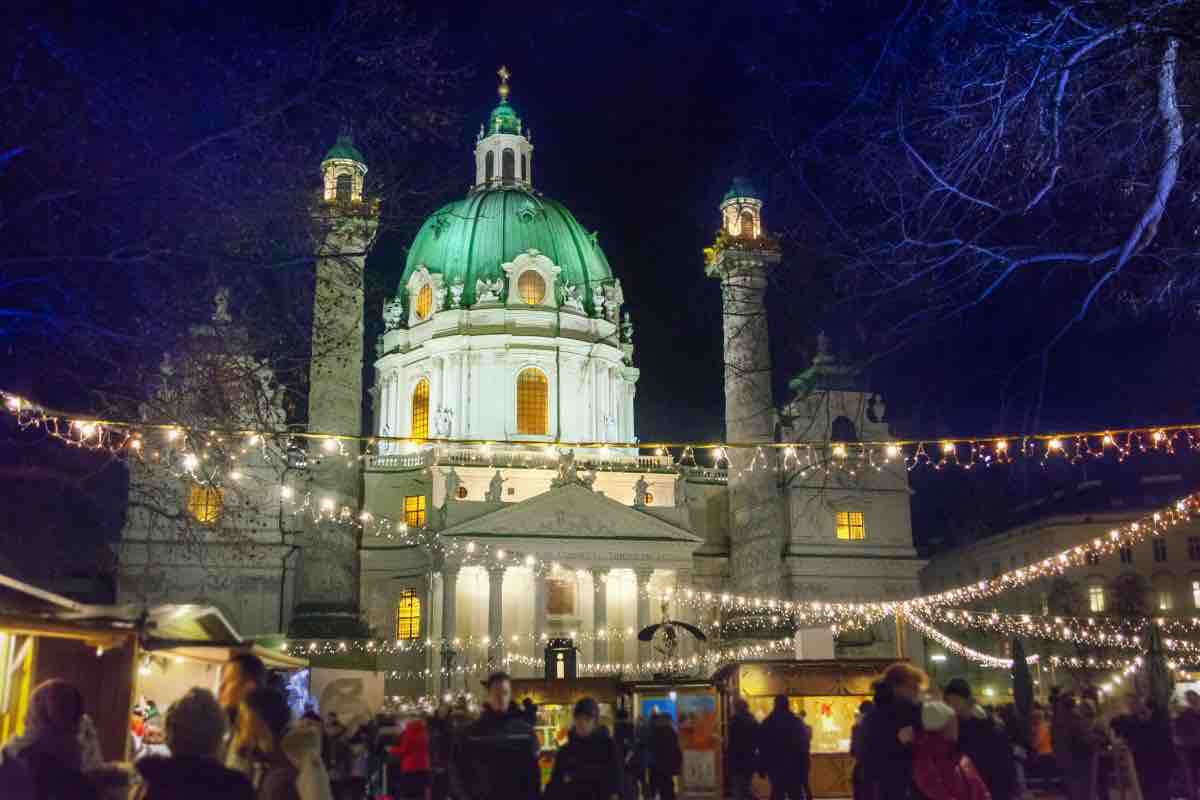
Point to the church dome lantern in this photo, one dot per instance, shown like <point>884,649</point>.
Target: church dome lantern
<point>503,152</point>
<point>342,171</point>
<point>741,210</point>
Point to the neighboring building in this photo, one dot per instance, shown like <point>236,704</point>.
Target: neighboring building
<point>507,330</point>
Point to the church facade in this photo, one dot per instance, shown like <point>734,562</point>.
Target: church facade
<point>503,398</point>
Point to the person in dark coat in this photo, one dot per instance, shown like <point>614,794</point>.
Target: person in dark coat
<point>742,752</point>
<point>625,736</point>
<point>782,742</point>
<point>588,766</point>
<point>858,750</point>
<point>46,761</point>
<point>495,757</point>
<point>982,741</point>
<point>1187,737</point>
<point>441,741</point>
<point>666,759</point>
<point>195,731</point>
<point>890,731</point>
<point>1153,748</point>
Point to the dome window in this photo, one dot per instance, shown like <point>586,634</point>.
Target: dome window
<point>489,166</point>
<point>508,164</point>
<point>531,288</point>
<point>345,188</point>
<point>748,223</point>
<point>424,301</point>
<point>533,402</point>
<point>419,427</point>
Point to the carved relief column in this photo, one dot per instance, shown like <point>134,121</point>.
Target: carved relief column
<point>599,615</point>
<point>449,610</point>
<point>495,614</point>
<point>643,575</point>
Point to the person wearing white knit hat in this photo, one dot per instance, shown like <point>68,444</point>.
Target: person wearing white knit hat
<point>936,716</point>
<point>940,771</point>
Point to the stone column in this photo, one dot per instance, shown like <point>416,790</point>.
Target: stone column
<point>643,575</point>
<point>539,617</point>
<point>683,612</point>
<point>599,614</point>
<point>495,614</point>
<point>449,609</point>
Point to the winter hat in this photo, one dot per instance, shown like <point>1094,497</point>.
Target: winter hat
<point>587,708</point>
<point>935,716</point>
<point>195,724</point>
<point>959,688</point>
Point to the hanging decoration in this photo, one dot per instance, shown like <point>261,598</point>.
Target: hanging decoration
<point>1115,632</point>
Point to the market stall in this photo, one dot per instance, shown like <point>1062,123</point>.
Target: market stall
<point>829,692</point>
<point>556,700</point>
<point>692,705</point>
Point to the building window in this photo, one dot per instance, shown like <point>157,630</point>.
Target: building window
<point>843,430</point>
<point>1093,557</point>
<point>850,526</point>
<point>461,492</point>
<point>1126,555</point>
<point>560,597</point>
<point>533,402</point>
<point>345,188</point>
<point>414,510</point>
<point>508,164</point>
<point>419,422</point>
<point>1196,594</point>
<point>747,228</point>
<point>424,302</point>
<point>1166,601</point>
<point>204,503</point>
<point>1096,599</point>
<point>489,162</point>
<point>1160,550</point>
<point>408,615</point>
<point>1194,548</point>
<point>531,288</point>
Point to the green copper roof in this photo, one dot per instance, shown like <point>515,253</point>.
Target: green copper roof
<point>470,238</point>
<point>741,187</point>
<point>504,119</point>
<point>344,148</point>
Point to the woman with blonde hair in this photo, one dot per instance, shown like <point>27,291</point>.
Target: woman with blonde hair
<point>286,757</point>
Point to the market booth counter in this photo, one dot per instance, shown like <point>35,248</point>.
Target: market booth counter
<point>556,701</point>
<point>829,692</point>
<point>694,709</point>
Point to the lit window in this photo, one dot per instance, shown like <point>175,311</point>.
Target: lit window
<point>533,402</point>
<point>461,493</point>
<point>1126,555</point>
<point>1196,594</point>
<point>560,597</point>
<point>408,614</point>
<point>204,503</point>
<point>747,228</point>
<point>850,526</point>
<point>531,287</point>
<point>1160,550</point>
<point>1093,557</point>
<point>1194,548</point>
<point>345,186</point>
<point>1166,601</point>
<point>414,511</point>
<point>419,428</point>
<point>1096,599</point>
<point>424,301</point>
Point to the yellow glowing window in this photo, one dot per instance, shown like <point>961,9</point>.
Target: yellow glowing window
<point>531,288</point>
<point>649,498</point>
<point>419,427</point>
<point>850,526</point>
<point>414,511</point>
<point>408,614</point>
<point>747,228</point>
<point>533,402</point>
<point>204,503</point>
<point>424,301</point>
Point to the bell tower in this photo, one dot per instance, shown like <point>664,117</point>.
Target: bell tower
<point>503,150</point>
<point>327,584</point>
<point>741,258</point>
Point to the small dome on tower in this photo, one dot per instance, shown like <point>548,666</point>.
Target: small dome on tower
<point>741,187</point>
<point>344,148</point>
<point>504,119</point>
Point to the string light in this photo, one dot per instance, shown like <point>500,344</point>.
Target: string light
<point>1119,633</point>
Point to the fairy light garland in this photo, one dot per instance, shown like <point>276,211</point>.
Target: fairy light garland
<point>1114,633</point>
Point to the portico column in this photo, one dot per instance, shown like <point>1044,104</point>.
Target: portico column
<point>643,609</point>
<point>599,615</point>
<point>495,613</point>
<point>539,617</point>
<point>683,612</point>
<point>449,610</point>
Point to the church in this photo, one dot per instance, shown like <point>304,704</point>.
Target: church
<point>503,400</point>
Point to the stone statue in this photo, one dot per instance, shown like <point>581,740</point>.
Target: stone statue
<point>221,303</point>
<point>640,490</point>
<point>588,480</point>
<point>627,328</point>
<point>597,301</point>
<point>495,489</point>
<point>612,306</point>
<point>452,484</point>
<point>571,297</point>
<point>456,293</point>
<point>488,291</point>
<point>393,314</point>
<point>567,472</point>
<point>877,411</point>
<point>680,494</point>
<point>439,299</point>
<point>610,427</point>
<point>443,422</point>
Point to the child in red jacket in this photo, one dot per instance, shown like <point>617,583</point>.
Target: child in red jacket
<point>940,772</point>
<point>412,751</point>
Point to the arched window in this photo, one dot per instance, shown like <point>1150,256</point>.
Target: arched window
<point>345,188</point>
<point>533,402</point>
<point>489,165</point>
<point>747,223</point>
<point>204,503</point>
<point>524,167</point>
<point>531,288</point>
<point>850,526</point>
<point>843,430</point>
<point>508,164</point>
<point>424,302</point>
<point>1096,597</point>
<point>408,615</point>
<point>419,429</point>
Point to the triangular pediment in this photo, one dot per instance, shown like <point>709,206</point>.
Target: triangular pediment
<point>573,512</point>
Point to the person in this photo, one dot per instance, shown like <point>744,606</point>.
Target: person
<point>666,759</point>
<point>529,710</point>
<point>939,770</point>
<point>1084,738</point>
<point>263,720</point>
<point>806,753</point>
<point>782,740</point>
<point>858,748</point>
<point>588,766</point>
<point>1187,740</point>
<point>440,748</point>
<point>980,740</point>
<point>240,675</point>
<point>335,752</point>
<point>495,757</point>
<point>626,738</point>
<point>742,753</point>
<point>412,751</point>
<point>46,761</point>
<point>195,732</point>
<point>301,744</point>
<point>641,763</point>
<point>1153,748</point>
<point>893,725</point>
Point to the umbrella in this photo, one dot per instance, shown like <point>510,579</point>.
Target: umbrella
<point>1158,675</point>
<point>1022,686</point>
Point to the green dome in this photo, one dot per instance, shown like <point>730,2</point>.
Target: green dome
<point>344,148</point>
<point>504,119</point>
<point>470,238</point>
<point>741,187</point>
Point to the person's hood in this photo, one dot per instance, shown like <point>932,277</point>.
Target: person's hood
<point>188,777</point>
<point>301,742</point>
